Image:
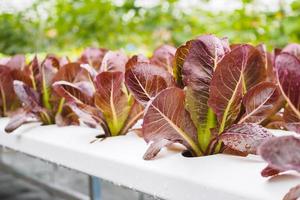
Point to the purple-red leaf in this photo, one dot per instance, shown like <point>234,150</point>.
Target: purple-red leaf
<point>134,60</point>
<point>281,153</point>
<point>67,117</point>
<point>293,194</point>
<point>166,119</point>
<point>237,72</point>
<point>145,81</point>
<point>163,57</point>
<point>7,94</point>
<point>180,55</point>
<point>293,49</point>
<point>72,72</point>
<point>204,54</point>
<point>198,67</point>
<point>93,56</point>
<point>30,99</point>
<point>245,137</point>
<point>90,116</point>
<point>114,61</point>
<point>136,113</point>
<point>112,99</point>
<point>269,171</point>
<point>268,61</point>
<point>260,102</point>
<point>19,119</point>
<point>73,92</point>
<point>288,74</point>
<point>17,62</point>
<point>155,148</point>
<point>293,127</point>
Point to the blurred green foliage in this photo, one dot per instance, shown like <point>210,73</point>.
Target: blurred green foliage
<point>73,24</point>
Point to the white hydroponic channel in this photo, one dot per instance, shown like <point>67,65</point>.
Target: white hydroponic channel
<point>169,176</point>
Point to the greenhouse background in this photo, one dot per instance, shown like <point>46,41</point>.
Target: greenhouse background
<point>30,26</point>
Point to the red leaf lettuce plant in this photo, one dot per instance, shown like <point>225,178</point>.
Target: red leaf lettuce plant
<point>109,103</point>
<point>32,86</point>
<point>10,70</point>
<point>283,153</point>
<point>220,97</point>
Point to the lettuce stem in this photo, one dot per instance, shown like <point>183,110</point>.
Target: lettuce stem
<point>60,105</point>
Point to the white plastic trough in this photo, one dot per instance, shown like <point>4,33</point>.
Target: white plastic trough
<point>170,176</point>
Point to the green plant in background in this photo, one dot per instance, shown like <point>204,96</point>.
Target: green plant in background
<point>65,25</point>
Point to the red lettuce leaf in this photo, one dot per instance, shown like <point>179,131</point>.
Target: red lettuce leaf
<point>145,81</point>
<point>72,92</point>
<point>166,119</point>
<point>291,119</point>
<point>293,49</point>
<point>93,57</point>
<point>236,73</point>
<point>72,72</point>
<point>163,57</point>
<point>204,54</point>
<point>269,171</point>
<point>31,72</point>
<point>30,98</point>
<point>269,59</point>
<point>245,137</point>
<point>281,154</point>
<point>294,193</point>
<point>114,61</point>
<point>21,117</point>
<point>112,99</point>
<point>155,148</point>
<point>90,116</point>
<point>293,127</point>
<point>7,94</point>
<point>67,117</point>
<point>288,74</point>
<point>17,62</point>
<point>134,60</point>
<point>136,112</point>
<point>261,102</point>
<point>180,55</point>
